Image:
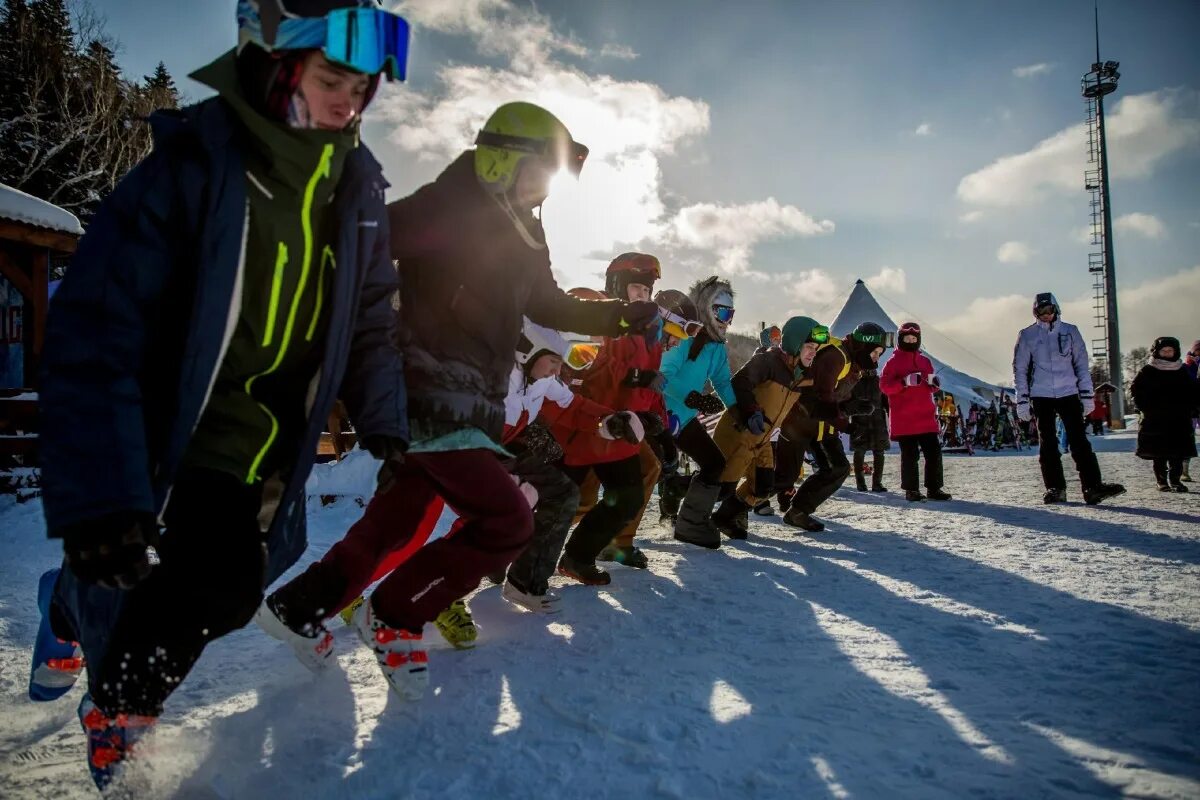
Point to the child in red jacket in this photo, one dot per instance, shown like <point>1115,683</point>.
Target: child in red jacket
<point>624,375</point>
<point>910,385</point>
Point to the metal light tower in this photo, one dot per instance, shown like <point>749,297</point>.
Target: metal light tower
<point>1099,82</point>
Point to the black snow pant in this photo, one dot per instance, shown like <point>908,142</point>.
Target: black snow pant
<point>911,449</point>
<point>210,582</point>
<point>789,460</point>
<point>558,498</point>
<point>622,500</point>
<point>1070,409</point>
<point>700,447</point>
<point>831,472</point>
<point>1167,471</point>
<point>860,462</point>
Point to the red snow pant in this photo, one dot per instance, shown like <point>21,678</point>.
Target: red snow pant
<point>494,525</point>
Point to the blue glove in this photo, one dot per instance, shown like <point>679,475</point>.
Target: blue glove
<point>756,423</point>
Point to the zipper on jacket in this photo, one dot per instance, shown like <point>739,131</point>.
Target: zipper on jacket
<point>323,170</point>
<point>326,257</point>
<point>276,286</point>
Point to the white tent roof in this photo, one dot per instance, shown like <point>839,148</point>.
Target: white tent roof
<point>17,206</point>
<point>861,306</point>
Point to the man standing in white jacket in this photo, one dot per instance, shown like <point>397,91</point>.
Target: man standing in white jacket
<point>1050,373</point>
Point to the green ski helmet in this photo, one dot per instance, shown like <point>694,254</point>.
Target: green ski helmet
<point>799,331</point>
<point>513,133</point>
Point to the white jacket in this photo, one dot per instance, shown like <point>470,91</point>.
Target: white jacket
<point>1051,360</point>
<point>530,398</point>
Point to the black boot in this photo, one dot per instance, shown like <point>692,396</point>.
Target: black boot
<point>802,520</point>
<point>877,474</point>
<point>671,490</point>
<point>913,496</point>
<point>784,499</point>
<point>1102,492</point>
<point>1054,496</point>
<point>695,525</point>
<point>938,494</point>
<point>732,519</point>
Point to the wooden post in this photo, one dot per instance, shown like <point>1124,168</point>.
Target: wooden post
<point>35,323</point>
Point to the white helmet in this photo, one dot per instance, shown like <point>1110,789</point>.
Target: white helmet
<point>537,340</point>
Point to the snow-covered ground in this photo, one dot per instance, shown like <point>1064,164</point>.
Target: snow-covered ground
<point>990,647</point>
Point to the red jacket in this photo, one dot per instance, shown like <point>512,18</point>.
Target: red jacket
<point>912,408</point>
<point>1100,411</point>
<point>604,383</point>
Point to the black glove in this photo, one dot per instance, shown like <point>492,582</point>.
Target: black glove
<point>116,551</point>
<point>385,448</point>
<point>636,317</point>
<point>623,425</point>
<point>652,423</point>
<point>857,406</point>
<point>704,403</point>
<point>645,379</point>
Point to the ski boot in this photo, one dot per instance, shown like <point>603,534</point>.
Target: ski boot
<point>588,574</point>
<point>400,653</point>
<point>1098,494</point>
<point>547,603</point>
<point>347,613</point>
<point>860,483</point>
<point>312,644</point>
<point>732,518</point>
<point>1054,496</point>
<point>804,521</point>
<point>1163,486</point>
<point>914,496</point>
<point>57,663</point>
<point>938,494</point>
<point>111,740</point>
<point>764,509</point>
<point>457,626</point>
<point>878,487</point>
<point>628,556</point>
<point>1179,487</point>
<point>784,499</point>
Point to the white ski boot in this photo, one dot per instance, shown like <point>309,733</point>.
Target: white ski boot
<point>547,603</point>
<point>314,646</point>
<point>401,654</point>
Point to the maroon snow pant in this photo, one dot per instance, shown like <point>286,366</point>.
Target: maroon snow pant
<point>494,526</point>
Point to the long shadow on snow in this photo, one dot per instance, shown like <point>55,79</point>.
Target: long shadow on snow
<point>1105,675</point>
<point>1147,543</point>
<point>622,707</point>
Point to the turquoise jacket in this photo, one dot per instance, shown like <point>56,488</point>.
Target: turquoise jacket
<point>685,375</point>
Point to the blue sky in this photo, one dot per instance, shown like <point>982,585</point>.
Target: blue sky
<point>929,147</point>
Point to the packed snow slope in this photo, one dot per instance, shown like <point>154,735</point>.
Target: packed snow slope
<point>990,647</point>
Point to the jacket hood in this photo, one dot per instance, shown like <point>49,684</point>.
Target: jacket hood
<point>768,337</point>
<point>1041,299</point>
<point>704,293</point>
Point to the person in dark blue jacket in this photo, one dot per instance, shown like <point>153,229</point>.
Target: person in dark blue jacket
<point>230,288</point>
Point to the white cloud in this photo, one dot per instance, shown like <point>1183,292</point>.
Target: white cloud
<point>1032,70</point>
<point>1146,225</point>
<point>1013,253</point>
<point>1142,130</point>
<point>618,201</point>
<point>924,129</point>
<point>988,325</point>
<point>812,290</point>
<point>890,279</point>
<point>1082,234</point>
<point>732,231</point>
<point>619,51</point>
<point>970,216</point>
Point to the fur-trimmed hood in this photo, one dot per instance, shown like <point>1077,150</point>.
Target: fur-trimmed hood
<point>704,293</point>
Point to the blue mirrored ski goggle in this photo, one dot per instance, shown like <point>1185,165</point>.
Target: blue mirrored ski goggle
<point>367,40</point>
<point>723,313</point>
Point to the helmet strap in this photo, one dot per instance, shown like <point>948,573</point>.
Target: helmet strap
<point>506,206</point>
